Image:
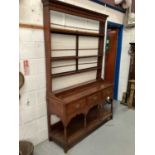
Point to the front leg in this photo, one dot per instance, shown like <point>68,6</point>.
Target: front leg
<point>66,140</point>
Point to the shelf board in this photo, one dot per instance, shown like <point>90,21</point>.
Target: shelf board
<point>75,32</point>
<point>63,58</point>
<point>74,72</point>
<point>73,57</point>
<point>89,56</point>
<point>84,49</point>
<point>74,64</point>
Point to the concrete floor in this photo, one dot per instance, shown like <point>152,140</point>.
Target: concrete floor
<point>116,137</point>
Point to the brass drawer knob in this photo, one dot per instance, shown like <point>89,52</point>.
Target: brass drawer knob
<point>77,106</point>
<point>95,98</point>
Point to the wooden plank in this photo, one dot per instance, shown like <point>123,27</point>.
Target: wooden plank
<point>84,49</point>
<point>31,26</point>
<point>77,51</point>
<point>73,57</point>
<point>74,64</point>
<point>89,56</point>
<point>73,72</point>
<point>75,32</point>
<point>100,51</point>
<point>63,58</point>
<point>47,38</point>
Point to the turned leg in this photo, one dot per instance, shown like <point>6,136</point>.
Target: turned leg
<point>65,149</point>
<point>98,106</point>
<point>85,121</point>
<point>99,109</point>
<point>65,136</point>
<point>65,133</point>
<point>49,128</point>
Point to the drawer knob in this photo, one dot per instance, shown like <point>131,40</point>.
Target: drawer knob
<point>95,97</point>
<point>77,106</point>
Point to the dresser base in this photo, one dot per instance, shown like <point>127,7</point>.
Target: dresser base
<point>76,131</point>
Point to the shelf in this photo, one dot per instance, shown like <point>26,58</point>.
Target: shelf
<point>89,56</point>
<point>74,64</point>
<point>73,57</point>
<point>75,32</point>
<point>63,58</point>
<point>74,72</point>
<point>84,49</point>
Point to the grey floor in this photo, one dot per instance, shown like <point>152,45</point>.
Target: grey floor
<point>116,137</point>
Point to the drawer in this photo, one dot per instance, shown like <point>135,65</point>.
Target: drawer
<point>107,92</point>
<point>76,106</point>
<point>94,99</point>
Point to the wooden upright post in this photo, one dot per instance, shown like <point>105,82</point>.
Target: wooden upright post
<point>47,38</point>
<point>100,50</point>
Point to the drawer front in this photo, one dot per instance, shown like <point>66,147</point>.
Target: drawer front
<point>76,106</point>
<point>94,99</point>
<point>107,92</point>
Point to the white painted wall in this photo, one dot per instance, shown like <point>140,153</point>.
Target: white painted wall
<point>32,110</point>
<point>33,120</point>
<point>128,36</point>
